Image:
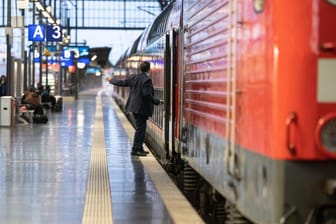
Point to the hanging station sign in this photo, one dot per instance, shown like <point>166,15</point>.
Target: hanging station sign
<point>52,33</point>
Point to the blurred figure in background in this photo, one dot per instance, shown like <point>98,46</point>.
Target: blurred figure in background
<point>33,101</point>
<point>3,85</point>
<point>46,96</point>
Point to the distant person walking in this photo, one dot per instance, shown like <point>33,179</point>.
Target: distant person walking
<point>140,103</point>
<point>3,85</point>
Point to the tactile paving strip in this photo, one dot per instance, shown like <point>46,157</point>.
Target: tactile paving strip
<point>98,203</point>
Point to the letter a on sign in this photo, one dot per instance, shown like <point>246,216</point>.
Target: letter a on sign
<point>36,32</point>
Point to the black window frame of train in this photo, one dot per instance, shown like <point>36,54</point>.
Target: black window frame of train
<point>170,85</point>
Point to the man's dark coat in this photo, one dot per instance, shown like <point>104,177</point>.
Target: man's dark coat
<point>141,97</point>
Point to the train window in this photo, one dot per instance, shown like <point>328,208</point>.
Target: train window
<point>258,5</point>
<point>333,2</point>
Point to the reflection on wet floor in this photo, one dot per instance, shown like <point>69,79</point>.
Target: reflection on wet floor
<point>134,196</point>
<point>44,169</point>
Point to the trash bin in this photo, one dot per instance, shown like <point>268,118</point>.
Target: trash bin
<point>7,112</point>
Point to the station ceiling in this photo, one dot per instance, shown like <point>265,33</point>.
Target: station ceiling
<point>91,14</point>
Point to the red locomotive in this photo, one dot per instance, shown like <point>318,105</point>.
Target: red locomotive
<point>250,106</point>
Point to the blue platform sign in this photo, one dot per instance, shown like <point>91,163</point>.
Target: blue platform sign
<point>54,33</point>
<point>36,32</point>
<point>79,51</point>
<point>50,33</point>
<point>67,58</point>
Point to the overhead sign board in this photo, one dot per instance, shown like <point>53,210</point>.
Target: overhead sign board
<point>79,51</point>
<point>52,48</point>
<point>36,32</point>
<point>50,33</point>
<point>54,33</point>
<point>67,58</point>
<point>51,60</point>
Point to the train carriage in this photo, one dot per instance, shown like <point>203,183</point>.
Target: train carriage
<point>250,106</point>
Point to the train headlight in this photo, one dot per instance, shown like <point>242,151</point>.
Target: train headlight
<point>326,134</point>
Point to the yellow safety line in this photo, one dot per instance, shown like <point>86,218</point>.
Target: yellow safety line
<point>98,203</point>
<point>179,208</point>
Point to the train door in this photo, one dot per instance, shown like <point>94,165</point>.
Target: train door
<point>171,94</point>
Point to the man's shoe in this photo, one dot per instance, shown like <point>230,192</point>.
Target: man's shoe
<point>142,150</point>
<point>138,153</point>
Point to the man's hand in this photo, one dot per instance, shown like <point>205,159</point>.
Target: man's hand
<point>108,79</point>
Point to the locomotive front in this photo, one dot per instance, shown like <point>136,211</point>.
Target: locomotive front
<point>306,62</point>
<point>260,105</point>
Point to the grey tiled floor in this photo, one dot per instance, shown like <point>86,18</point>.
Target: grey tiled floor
<point>134,196</point>
<point>44,168</point>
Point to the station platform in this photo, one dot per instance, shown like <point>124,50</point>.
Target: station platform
<point>77,168</point>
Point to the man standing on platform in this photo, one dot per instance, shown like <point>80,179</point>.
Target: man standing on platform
<point>140,102</point>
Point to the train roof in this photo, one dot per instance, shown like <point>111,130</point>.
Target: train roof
<point>159,25</point>
<point>149,35</point>
<point>156,29</point>
<point>129,51</point>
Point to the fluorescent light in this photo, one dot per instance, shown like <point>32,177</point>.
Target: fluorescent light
<point>94,57</point>
<point>39,6</point>
<point>80,65</point>
<point>51,20</point>
<point>45,14</point>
